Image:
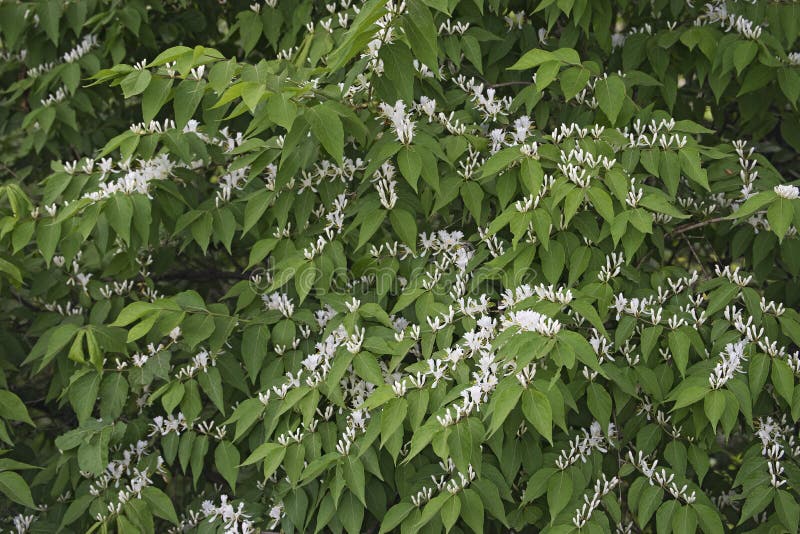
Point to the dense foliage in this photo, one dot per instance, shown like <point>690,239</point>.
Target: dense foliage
<point>410,265</point>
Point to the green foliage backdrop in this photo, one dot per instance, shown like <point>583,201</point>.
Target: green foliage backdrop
<point>410,265</point>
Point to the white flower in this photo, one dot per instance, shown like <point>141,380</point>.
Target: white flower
<point>401,122</point>
<point>427,106</point>
<point>731,363</point>
<point>280,302</point>
<point>175,333</point>
<point>790,192</point>
<point>531,321</point>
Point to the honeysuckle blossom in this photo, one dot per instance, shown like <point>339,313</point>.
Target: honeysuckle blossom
<point>400,121</point>
<point>789,192</point>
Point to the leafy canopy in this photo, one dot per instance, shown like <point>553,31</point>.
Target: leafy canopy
<point>413,266</point>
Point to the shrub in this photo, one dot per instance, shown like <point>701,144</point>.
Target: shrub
<point>400,266</point>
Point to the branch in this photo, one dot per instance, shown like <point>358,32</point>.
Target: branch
<point>691,226</point>
<point>506,84</point>
<point>200,275</point>
<point>26,303</point>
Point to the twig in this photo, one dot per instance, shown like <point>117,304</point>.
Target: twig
<point>26,303</point>
<point>200,275</point>
<point>696,257</point>
<point>692,226</point>
<point>507,84</point>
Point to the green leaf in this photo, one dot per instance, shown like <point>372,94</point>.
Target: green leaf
<point>173,395</point>
<point>201,230</point>
<point>13,409</point>
<point>610,94</point>
<point>351,514</point>
<point>272,454</point>
<point>410,164</point>
<point>679,347</point>
<point>252,94</point>
<point>490,496</point>
<point>553,262</point>
<point>709,519</point>
<point>198,456</point>
<point>250,29</point>
<point>76,509</point>
<point>537,410</point>
<point>392,417</point>
<point>15,488</point>
<point>170,54</point>
<point>472,193</point>
<point>431,509</point>
<point>537,56</point>
<point>689,395</point>
<point>780,215</point>
<point>49,13</point>
<point>399,69</point>
<point>789,82</point>
<point>211,383</point>
<point>254,349</point>
<point>463,448</point>
<point>358,35</point>
<point>788,510</point>
<point>370,226</point>
<point>602,202</point>
<point>304,280</point>
<point>504,399</point>
<point>472,51</point>
<point>537,484</point>
<point>160,504</point>
<point>422,33</point>
<point>154,97</point>
<point>660,204</point>
<point>499,161</point>
<point>128,315</point>
<point>405,225</point>
<point>135,83</point>
<point>47,236</point>
<point>450,512</point>
<point>71,75</point>
<point>317,466</point>
<point>261,250</point>
<point>559,493</point>
<point>743,54</point>
<point>353,471</point>
<point>721,297</point>
<point>783,379</point>
<point>649,501</point>
<point>188,95</point>
<point>221,75</point>
<point>113,395</point>
<point>281,110</point>
<point>691,166</point>
<point>546,73</point>
<point>93,454</point>
<point>395,515</point>
<point>758,499</point>
<point>226,458</point>
<point>573,80</point>
<point>472,510</point>
<point>327,127</point>
<point>753,204</point>
<point>684,519</point>
<point>197,327</point>
<point>76,350</point>
<point>83,395</point>
<point>714,406</point>
<point>119,210</point>
<point>599,402</point>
